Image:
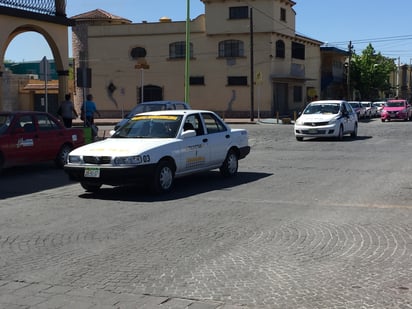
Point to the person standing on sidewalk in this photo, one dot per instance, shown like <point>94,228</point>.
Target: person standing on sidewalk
<point>67,112</point>
<point>89,109</point>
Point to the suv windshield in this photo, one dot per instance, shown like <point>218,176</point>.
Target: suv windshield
<point>326,108</point>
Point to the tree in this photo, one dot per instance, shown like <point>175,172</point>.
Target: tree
<point>370,73</point>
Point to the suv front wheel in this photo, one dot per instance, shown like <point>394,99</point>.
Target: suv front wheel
<point>354,134</point>
<point>340,134</point>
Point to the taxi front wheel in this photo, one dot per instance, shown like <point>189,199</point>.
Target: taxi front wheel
<point>163,177</point>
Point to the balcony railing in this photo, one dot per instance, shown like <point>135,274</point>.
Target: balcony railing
<point>47,7</point>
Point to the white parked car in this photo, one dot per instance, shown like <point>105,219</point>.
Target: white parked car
<point>328,118</point>
<point>379,106</point>
<point>371,110</point>
<point>154,148</point>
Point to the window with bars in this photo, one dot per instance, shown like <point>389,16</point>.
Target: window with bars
<point>237,80</point>
<point>298,51</point>
<point>280,49</point>
<point>197,80</point>
<point>177,50</point>
<point>282,14</point>
<point>231,49</point>
<point>238,12</point>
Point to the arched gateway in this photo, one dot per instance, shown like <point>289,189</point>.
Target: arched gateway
<point>46,17</point>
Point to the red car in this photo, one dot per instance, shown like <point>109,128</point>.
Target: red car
<point>396,109</point>
<point>28,137</point>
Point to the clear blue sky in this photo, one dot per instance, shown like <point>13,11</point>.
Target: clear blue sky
<point>386,26</point>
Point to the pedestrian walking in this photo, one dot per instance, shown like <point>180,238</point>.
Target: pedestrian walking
<point>89,109</point>
<point>67,112</point>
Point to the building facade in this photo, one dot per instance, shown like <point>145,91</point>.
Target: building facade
<point>334,83</point>
<point>235,69</point>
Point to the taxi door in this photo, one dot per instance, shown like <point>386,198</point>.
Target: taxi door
<point>22,146</point>
<point>349,120</point>
<point>50,136</point>
<point>195,150</point>
<point>218,136</point>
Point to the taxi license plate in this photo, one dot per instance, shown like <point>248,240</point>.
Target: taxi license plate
<point>92,172</point>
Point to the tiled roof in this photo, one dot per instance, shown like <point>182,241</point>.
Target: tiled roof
<point>99,14</point>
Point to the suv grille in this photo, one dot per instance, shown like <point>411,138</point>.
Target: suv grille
<point>316,124</point>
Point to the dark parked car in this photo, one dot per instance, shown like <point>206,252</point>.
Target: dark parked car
<point>28,137</point>
<point>152,106</point>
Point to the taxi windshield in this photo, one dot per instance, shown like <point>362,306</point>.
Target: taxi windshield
<point>150,126</point>
<point>327,108</point>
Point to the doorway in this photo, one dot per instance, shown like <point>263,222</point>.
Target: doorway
<point>280,99</point>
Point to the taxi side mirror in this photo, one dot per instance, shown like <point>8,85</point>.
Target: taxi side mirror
<point>188,133</point>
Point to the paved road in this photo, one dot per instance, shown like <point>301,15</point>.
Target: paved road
<point>315,224</point>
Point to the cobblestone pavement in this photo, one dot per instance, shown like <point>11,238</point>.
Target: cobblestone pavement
<point>268,239</point>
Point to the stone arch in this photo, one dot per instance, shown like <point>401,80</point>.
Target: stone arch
<point>56,36</point>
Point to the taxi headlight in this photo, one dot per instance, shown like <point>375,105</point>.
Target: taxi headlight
<point>132,160</point>
<point>298,121</point>
<point>75,159</point>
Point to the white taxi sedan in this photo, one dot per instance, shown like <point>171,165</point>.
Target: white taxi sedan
<point>327,118</point>
<point>156,147</point>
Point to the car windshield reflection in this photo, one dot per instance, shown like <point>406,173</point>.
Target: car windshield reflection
<point>150,126</point>
<point>322,109</point>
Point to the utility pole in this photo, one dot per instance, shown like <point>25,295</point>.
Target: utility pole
<point>397,76</point>
<point>348,81</point>
<point>252,69</point>
<point>187,56</point>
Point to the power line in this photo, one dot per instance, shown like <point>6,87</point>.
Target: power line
<point>376,40</point>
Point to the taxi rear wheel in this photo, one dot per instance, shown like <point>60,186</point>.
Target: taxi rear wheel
<point>230,165</point>
<point>163,178</point>
<point>90,187</point>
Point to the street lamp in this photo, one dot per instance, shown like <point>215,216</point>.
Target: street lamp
<point>142,66</point>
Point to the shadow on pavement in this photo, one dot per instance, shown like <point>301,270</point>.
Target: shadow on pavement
<point>346,139</point>
<point>183,187</point>
<point>29,179</point>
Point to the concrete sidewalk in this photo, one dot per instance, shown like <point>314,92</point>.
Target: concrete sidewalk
<point>113,121</point>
